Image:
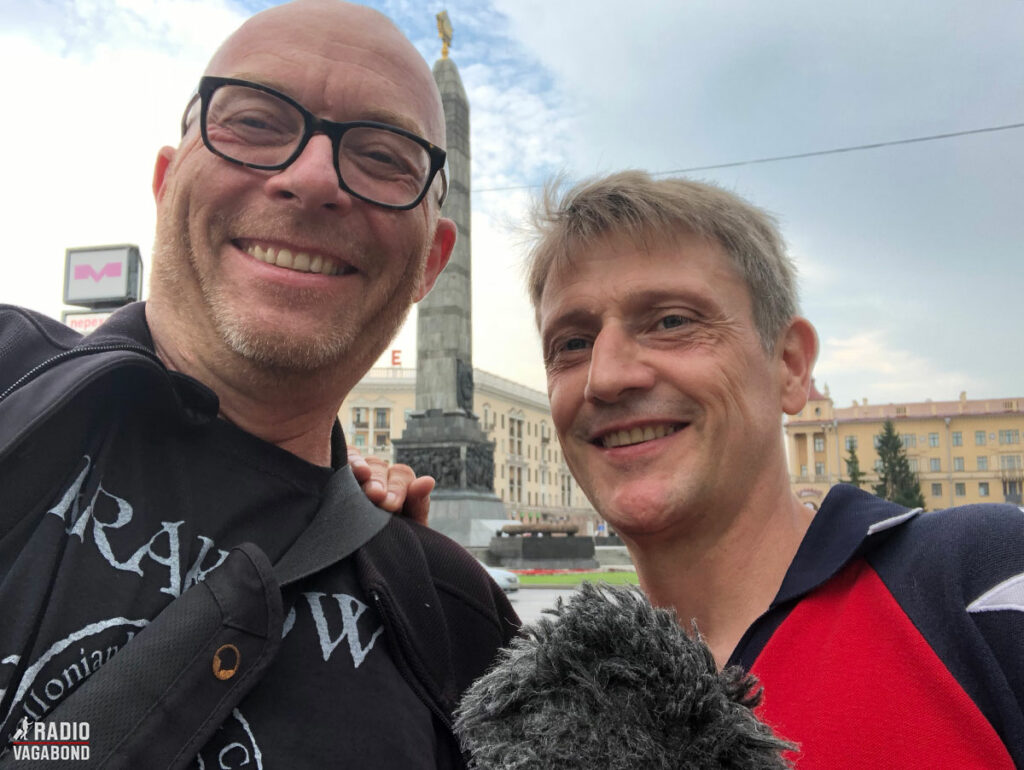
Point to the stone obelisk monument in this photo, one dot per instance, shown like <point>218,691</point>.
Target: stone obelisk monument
<point>443,437</point>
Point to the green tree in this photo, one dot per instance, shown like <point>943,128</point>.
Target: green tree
<point>896,481</point>
<point>853,468</point>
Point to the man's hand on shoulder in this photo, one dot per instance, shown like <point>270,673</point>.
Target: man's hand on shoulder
<point>395,488</point>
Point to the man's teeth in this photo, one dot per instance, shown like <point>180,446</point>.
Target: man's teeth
<point>636,435</point>
<point>299,260</point>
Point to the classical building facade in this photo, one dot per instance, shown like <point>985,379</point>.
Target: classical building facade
<point>963,451</point>
<point>530,474</point>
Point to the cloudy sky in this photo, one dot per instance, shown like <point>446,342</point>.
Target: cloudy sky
<point>910,255</point>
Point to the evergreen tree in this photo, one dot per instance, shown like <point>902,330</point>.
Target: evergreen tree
<point>853,468</point>
<point>896,481</point>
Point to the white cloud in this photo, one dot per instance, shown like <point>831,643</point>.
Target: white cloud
<point>106,82</point>
<point>866,364</point>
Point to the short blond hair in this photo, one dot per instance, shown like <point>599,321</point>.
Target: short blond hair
<point>648,211</point>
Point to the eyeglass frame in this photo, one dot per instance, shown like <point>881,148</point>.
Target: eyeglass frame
<point>313,125</point>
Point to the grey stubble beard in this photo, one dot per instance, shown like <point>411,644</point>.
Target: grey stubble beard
<point>273,352</point>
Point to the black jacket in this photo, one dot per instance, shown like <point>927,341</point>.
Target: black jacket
<point>445,618</point>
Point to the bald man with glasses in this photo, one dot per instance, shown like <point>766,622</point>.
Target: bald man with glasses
<point>187,563</point>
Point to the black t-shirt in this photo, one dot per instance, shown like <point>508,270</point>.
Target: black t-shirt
<point>109,514</point>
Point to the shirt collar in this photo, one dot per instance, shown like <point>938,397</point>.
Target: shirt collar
<point>848,521</point>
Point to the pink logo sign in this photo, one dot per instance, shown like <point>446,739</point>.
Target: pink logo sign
<point>109,270</point>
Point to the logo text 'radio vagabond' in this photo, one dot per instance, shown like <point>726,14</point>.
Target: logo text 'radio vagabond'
<point>51,740</point>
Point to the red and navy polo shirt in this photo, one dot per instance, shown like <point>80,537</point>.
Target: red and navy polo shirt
<point>897,638</point>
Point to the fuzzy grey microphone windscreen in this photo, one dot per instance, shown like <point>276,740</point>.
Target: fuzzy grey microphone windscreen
<point>609,682</point>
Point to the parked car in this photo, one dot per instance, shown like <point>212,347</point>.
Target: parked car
<point>507,581</point>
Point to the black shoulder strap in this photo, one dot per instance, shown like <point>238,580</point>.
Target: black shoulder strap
<point>346,520</point>
<point>159,700</point>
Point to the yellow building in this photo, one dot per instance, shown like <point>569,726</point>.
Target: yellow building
<point>530,474</point>
<point>964,451</point>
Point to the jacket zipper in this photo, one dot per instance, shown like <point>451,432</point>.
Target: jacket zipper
<point>38,369</point>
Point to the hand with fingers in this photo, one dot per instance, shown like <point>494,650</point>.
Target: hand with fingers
<point>395,488</point>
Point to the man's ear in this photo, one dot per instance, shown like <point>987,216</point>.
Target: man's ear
<point>797,350</point>
<point>437,258</point>
<point>163,161</point>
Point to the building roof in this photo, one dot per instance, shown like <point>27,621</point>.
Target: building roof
<point>815,394</point>
<point>919,410</point>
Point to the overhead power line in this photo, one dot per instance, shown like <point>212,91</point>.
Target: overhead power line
<point>816,153</point>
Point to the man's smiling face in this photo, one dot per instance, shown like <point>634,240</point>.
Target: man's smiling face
<point>664,400</point>
<point>284,268</point>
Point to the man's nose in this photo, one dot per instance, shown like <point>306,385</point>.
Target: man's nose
<point>617,366</point>
<point>311,181</point>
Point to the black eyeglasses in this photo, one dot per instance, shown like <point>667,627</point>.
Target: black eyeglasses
<point>258,127</point>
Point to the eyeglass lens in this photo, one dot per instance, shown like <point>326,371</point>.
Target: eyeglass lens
<point>259,129</point>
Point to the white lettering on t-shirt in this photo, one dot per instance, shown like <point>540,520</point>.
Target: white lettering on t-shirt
<point>351,609</point>
<point>67,508</point>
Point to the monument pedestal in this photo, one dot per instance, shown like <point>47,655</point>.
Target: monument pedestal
<point>450,446</point>
<point>542,551</point>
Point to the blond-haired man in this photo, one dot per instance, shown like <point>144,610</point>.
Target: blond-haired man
<point>882,637</point>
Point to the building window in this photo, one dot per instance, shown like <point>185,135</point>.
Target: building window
<point>819,443</point>
<point>515,485</point>
<point>515,436</point>
<point>851,443</point>
<point>360,417</point>
<point>566,490</point>
<point>982,489</point>
<point>958,438</point>
<point>1009,437</point>
<point>503,422</point>
<point>360,439</point>
<point>878,466</point>
<point>901,411</point>
<point>819,469</point>
<point>960,488</point>
<point>936,490</point>
<point>382,419</point>
<point>1012,491</point>
<point>982,463</point>
<point>979,438</point>
<point>934,464</point>
<point>803,470</point>
<point>958,463</point>
<point>913,464</point>
<point>381,439</point>
<point>909,440</point>
<point>1009,462</point>
<point>933,439</point>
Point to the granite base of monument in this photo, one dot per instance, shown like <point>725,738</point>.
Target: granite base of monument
<point>451,447</point>
<point>542,551</point>
<point>469,518</point>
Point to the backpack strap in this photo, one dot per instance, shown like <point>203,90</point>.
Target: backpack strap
<point>345,521</point>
